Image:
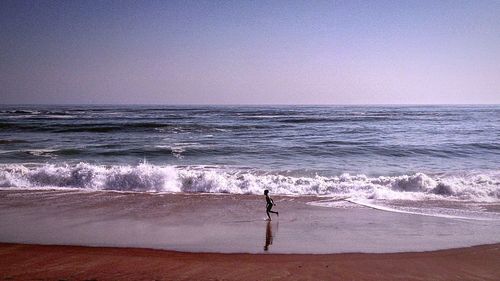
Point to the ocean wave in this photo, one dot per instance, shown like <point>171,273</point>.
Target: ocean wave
<point>12,141</point>
<point>177,150</point>
<point>312,119</point>
<point>113,127</point>
<point>155,178</point>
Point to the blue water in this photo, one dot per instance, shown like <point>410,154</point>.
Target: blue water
<point>370,151</point>
<point>374,140</point>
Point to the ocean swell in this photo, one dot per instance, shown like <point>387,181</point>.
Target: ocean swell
<point>154,178</point>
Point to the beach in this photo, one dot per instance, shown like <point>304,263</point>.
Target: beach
<point>34,262</point>
<point>229,223</point>
<point>176,193</point>
<point>136,236</point>
<point>249,140</point>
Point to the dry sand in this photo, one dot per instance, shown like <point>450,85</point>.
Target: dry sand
<point>35,262</point>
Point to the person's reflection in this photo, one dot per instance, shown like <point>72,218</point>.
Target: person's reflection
<point>269,236</point>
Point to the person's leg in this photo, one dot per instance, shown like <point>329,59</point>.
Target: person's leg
<point>268,209</point>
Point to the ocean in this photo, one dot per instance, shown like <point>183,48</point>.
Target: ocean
<point>428,160</point>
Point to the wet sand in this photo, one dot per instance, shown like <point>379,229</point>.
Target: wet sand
<point>34,262</point>
<point>225,224</point>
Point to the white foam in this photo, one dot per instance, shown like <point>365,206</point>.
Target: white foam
<point>42,152</point>
<point>434,212</point>
<point>145,177</point>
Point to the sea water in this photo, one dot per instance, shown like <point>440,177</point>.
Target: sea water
<point>429,160</point>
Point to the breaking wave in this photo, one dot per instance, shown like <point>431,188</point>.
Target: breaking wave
<point>191,179</point>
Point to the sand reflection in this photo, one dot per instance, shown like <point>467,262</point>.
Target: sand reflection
<point>269,236</point>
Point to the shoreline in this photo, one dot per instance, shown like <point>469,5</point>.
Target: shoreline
<point>226,224</point>
<point>52,262</point>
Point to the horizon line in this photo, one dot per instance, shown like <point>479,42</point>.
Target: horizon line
<point>251,104</point>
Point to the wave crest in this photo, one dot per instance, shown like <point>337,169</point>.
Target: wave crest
<point>155,178</point>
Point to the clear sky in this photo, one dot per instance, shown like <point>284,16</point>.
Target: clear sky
<point>250,52</point>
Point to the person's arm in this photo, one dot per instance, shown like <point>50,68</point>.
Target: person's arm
<point>272,201</point>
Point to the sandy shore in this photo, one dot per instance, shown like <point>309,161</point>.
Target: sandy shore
<point>162,237</point>
<point>225,224</point>
<point>35,262</point>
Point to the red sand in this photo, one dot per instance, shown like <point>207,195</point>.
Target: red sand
<point>35,262</point>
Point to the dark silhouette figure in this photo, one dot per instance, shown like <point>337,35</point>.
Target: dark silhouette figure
<point>270,204</point>
<point>269,235</point>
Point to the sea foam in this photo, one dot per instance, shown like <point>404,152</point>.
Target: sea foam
<point>192,179</point>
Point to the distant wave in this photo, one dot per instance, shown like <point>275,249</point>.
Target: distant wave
<point>12,141</point>
<point>333,119</point>
<point>113,127</point>
<point>153,178</point>
<point>337,148</point>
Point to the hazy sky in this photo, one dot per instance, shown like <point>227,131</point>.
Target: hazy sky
<point>250,52</point>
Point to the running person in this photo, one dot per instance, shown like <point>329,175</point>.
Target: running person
<point>270,204</point>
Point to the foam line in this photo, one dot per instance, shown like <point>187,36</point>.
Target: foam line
<point>393,210</point>
<point>201,179</point>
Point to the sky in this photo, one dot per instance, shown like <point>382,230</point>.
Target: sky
<point>250,52</point>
